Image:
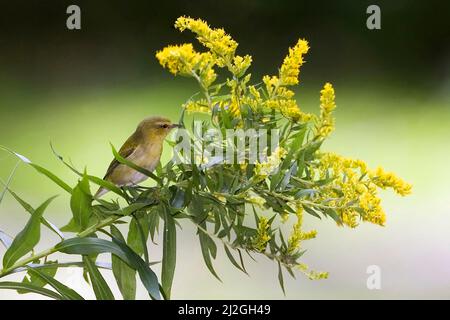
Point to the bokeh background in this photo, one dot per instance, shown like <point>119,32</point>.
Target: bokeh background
<point>83,89</point>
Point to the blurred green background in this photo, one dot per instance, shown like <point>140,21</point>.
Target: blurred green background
<point>83,89</point>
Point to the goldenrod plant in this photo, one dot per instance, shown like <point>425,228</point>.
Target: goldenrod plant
<point>240,205</point>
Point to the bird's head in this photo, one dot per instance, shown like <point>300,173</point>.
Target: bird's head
<point>156,128</point>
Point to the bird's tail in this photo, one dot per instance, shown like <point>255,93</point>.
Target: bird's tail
<point>100,192</point>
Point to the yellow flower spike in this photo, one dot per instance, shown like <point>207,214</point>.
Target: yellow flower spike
<point>290,69</point>
<point>216,40</point>
<point>311,274</point>
<point>327,106</point>
<point>297,234</point>
<point>263,236</point>
<point>197,107</point>
<point>385,180</point>
<point>240,65</point>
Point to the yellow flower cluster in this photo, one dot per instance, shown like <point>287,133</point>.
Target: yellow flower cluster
<point>297,234</point>
<point>199,106</point>
<point>216,40</point>
<point>327,106</point>
<point>281,100</point>
<point>253,99</point>
<point>358,186</point>
<point>389,180</point>
<point>311,274</point>
<point>290,69</point>
<point>255,199</point>
<point>240,65</point>
<point>264,169</point>
<point>184,60</point>
<point>263,235</point>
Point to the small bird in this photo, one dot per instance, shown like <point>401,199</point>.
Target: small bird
<point>144,148</point>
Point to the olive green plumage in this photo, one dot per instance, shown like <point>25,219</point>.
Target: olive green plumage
<point>144,148</point>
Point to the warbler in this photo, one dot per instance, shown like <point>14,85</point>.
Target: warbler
<point>144,148</point>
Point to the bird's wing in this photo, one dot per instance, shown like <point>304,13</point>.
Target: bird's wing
<point>125,151</point>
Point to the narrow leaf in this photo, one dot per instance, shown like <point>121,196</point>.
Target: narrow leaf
<point>66,292</point>
<point>81,203</point>
<point>169,252</point>
<point>101,288</point>
<point>29,288</point>
<point>30,210</point>
<point>205,246</point>
<point>120,249</point>
<point>232,259</point>
<point>26,239</point>
<point>280,278</point>
<point>124,275</point>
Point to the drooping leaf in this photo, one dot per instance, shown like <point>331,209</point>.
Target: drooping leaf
<point>232,259</point>
<point>66,292</point>
<point>125,276</point>
<point>26,239</point>
<point>169,252</point>
<point>85,246</point>
<point>36,280</point>
<point>206,245</point>
<point>30,289</point>
<point>138,234</point>
<point>101,288</point>
<point>153,221</point>
<point>280,278</point>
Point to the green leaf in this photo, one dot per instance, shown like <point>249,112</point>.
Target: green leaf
<point>81,203</point>
<point>169,252</point>
<point>232,259</point>
<point>101,289</point>
<point>37,281</point>
<point>40,169</point>
<point>102,183</point>
<point>66,292</point>
<point>153,221</point>
<point>311,211</point>
<point>124,275</point>
<point>138,234</point>
<point>26,239</point>
<point>121,250</point>
<point>30,289</point>
<point>52,177</point>
<point>71,226</point>
<point>30,210</point>
<point>280,278</point>
<point>205,244</point>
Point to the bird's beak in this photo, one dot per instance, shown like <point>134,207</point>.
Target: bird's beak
<point>175,125</point>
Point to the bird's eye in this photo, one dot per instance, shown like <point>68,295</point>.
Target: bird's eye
<point>165,126</point>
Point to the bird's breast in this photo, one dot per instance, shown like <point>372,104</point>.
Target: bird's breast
<point>147,156</point>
